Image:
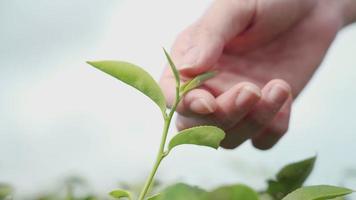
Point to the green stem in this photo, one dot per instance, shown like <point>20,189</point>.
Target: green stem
<point>161,153</point>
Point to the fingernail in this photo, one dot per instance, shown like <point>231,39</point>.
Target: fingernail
<point>190,58</point>
<point>245,94</point>
<point>277,94</point>
<point>201,105</point>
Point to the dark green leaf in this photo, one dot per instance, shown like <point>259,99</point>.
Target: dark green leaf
<point>319,192</point>
<point>209,136</point>
<point>117,194</point>
<point>290,178</point>
<point>173,67</point>
<point>196,82</point>
<point>135,77</point>
<point>181,191</point>
<point>233,192</point>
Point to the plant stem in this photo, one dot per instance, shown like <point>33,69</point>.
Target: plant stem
<point>161,154</point>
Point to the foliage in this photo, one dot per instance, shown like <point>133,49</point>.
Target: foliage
<point>287,184</point>
<point>287,180</point>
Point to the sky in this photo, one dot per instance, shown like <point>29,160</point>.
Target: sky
<point>58,116</point>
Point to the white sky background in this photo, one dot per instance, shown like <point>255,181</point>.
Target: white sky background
<point>58,116</point>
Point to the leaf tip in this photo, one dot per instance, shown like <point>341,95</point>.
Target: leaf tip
<point>90,62</point>
<point>93,63</point>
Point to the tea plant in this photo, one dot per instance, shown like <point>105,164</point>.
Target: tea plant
<point>286,185</point>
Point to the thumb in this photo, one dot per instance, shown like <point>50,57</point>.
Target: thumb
<point>198,48</point>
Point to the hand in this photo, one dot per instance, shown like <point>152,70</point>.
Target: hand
<point>265,52</point>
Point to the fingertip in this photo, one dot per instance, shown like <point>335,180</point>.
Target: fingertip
<point>262,145</point>
<point>249,94</point>
<point>278,90</point>
<point>203,106</point>
<point>200,101</point>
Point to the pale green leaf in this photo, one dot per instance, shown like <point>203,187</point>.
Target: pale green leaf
<point>209,136</point>
<point>233,192</point>
<point>154,197</point>
<point>118,194</point>
<point>173,67</point>
<point>196,82</point>
<point>135,77</point>
<point>319,192</point>
<point>181,191</point>
<point>5,190</point>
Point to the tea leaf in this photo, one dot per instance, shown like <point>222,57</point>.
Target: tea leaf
<point>319,192</point>
<point>181,191</point>
<point>233,192</point>
<point>209,136</point>
<point>196,82</point>
<point>135,77</point>
<point>118,194</point>
<point>154,197</point>
<point>173,67</point>
<point>290,178</point>
<point>296,173</point>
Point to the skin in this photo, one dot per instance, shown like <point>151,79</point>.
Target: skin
<point>265,52</point>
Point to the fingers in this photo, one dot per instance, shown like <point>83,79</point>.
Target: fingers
<point>229,108</point>
<point>198,48</point>
<point>274,96</point>
<point>275,130</point>
<point>197,101</point>
<point>235,103</point>
<point>243,113</point>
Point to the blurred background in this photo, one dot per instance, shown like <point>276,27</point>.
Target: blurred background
<point>60,117</point>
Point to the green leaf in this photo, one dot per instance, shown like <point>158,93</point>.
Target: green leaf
<point>233,192</point>
<point>154,197</point>
<point>290,178</point>
<point>319,192</point>
<point>5,190</point>
<point>196,82</point>
<point>296,173</point>
<point>118,194</point>
<point>173,67</point>
<point>181,191</point>
<point>135,77</point>
<point>209,136</point>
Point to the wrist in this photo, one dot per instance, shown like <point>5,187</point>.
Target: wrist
<point>348,11</point>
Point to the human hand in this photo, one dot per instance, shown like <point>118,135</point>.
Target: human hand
<point>265,52</point>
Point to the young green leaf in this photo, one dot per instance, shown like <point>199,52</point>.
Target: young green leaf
<point>196,82</point>
<point>118,194</point>
<point>181,191</point>
<point>173,67</point>
<point>319,192</point>
<point>154,197</point>
<point>290,178</point>
<point>233,192</point>
<point>135,77</point>
<point>209,136</point>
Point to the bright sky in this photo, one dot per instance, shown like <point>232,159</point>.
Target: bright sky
<point>58,116</point>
